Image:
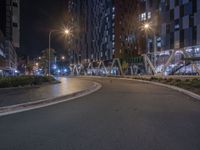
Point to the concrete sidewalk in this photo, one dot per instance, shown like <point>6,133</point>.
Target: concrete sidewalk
<point>67,86</point>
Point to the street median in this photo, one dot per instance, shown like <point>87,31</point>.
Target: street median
<point>47,102</point>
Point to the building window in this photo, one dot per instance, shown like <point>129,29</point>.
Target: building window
<point>106,39</point>
<point>113,37</point>
<point>176,2</point>
<point>142,17</point>
<point>113,44</point>
<point>168,28</point>
<point>107,19</point>
<point>177,25</point>
<point>182,38</point>
<point>15,4</point>
<point>172,40</point>
<point>149,15</point>
<point>181,10</point>
<point>113,9</point>
<point>191,20</point>
<point>172,14</point>
<point>15,24</point>
<point>194,6</point>
<point>113,16</point>
<point>194,35</point>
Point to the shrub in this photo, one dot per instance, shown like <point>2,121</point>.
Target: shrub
<point>178,80</point>
<point>153,78</point>
<point>187,80</point>
<point>169,80</point>
<point>24,80</point>
<point>195,83</point>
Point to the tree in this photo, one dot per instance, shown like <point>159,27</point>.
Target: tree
<point>44,61</point>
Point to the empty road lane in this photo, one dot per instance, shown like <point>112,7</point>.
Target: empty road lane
<point>123,115</point>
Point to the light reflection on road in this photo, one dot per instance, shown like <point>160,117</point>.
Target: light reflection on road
<point>67,86</point>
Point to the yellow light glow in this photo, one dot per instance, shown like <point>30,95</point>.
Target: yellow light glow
<point>146,26</point>
<point>67,31</point>
<point>63,57</point>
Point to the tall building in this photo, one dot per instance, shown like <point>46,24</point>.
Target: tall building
<point>149,13</point>
<point>10,29</point>
<point>177,33</point>
<point>100,30</point>
<point>101,26</point>
<point>77,23</point>
<point>127,29</point>
<point>180,24</point>
<point>115,29</point>
<point>2,54</point>
<point>10,20</point>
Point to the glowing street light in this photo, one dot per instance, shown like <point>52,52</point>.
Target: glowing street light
<point>63,57</point>
<point>146,26</point>
<point>66,32</point>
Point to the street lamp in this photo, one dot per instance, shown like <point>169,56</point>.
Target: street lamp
<point>148,27</point>
<point>67,32</point>
<point>63,57</point>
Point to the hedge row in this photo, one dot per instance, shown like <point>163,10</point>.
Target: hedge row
<point>193,82</point>
<point>18,81</point>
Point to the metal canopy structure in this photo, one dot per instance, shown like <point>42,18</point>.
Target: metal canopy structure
<point>116,60</point>
<point>172,61</point>
<point>102,65</point>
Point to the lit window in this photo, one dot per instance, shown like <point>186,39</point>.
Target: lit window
<point>113,16</point>
<point>113,9</point>
<point>142,17</point>
<point>149,15</point>
<point>113,37</point>
<point>113,44</point>
<point>106,39</point>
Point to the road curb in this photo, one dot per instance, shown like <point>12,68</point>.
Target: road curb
<point>186,92</point>
<point>181,90</point>
<point>47,102</point>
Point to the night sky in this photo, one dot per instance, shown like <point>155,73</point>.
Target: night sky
<point>37,18</point>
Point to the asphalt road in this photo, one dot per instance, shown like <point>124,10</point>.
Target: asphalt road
<point>22,95</point>
<point>123,115</point>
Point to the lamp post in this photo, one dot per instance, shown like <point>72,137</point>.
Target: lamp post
<point>67,32</point>
<point>148,27</point>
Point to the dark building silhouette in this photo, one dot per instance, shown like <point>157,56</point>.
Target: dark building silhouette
<point>10,34</point>
<point>101,29</point>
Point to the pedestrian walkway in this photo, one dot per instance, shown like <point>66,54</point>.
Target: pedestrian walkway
<point>23,95</point>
